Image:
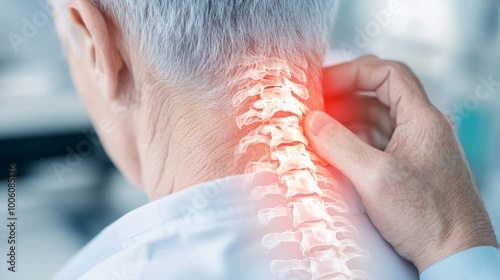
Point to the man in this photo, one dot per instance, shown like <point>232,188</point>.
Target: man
<point>158,79</point>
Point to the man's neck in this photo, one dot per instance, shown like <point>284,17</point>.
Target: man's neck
<point>194,143</point>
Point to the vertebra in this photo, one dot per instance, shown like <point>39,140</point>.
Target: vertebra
<point>277,107</point>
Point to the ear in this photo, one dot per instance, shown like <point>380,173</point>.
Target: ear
<point>99,44</point>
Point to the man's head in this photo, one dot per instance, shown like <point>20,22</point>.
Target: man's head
<point>150,69</point>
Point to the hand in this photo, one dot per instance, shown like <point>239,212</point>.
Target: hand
<point>418,191</point>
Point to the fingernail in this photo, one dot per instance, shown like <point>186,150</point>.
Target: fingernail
<point>319,121</point>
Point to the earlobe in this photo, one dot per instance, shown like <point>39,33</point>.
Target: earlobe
<point>102,52</point>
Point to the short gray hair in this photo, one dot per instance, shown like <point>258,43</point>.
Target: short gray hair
<point>201,43</point>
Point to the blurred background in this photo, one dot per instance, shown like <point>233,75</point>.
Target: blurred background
<point>68,190</point>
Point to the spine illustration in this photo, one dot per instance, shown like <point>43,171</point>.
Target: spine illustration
<point>277,93</point>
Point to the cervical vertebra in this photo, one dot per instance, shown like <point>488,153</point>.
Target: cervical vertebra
<point>277,107</point>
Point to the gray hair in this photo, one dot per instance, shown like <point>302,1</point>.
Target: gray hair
<point>201,43</point>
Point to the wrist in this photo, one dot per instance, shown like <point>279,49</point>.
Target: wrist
<point>480,234</point>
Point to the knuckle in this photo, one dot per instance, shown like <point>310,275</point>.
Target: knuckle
<point>398,66</point>
<point>447,121</point>
<point>369,57</point>
<point>403,70</point>
<point>404,67</point>
<point>440,120</point>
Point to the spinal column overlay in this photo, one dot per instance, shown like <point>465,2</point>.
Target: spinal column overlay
<point>276,94</point>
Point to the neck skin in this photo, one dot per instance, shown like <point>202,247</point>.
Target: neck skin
<point>183,142</point>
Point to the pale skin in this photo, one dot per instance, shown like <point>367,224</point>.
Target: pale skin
<point>162,138</point>
<point>165,138</point>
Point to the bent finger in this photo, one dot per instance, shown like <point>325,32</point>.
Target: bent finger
<point>394,84</point>
<point>360,109</point>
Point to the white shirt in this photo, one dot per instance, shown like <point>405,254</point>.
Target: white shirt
<point>211,231</point>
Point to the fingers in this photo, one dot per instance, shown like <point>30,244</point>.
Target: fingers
<point>343,150</point>
<point>355,109</point>
<point>336,82</point>
<point>394,84</point>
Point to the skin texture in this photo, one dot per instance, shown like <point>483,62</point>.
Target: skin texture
<point>417,189</point>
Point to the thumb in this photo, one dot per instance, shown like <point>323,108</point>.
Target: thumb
<point>343,149</point>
